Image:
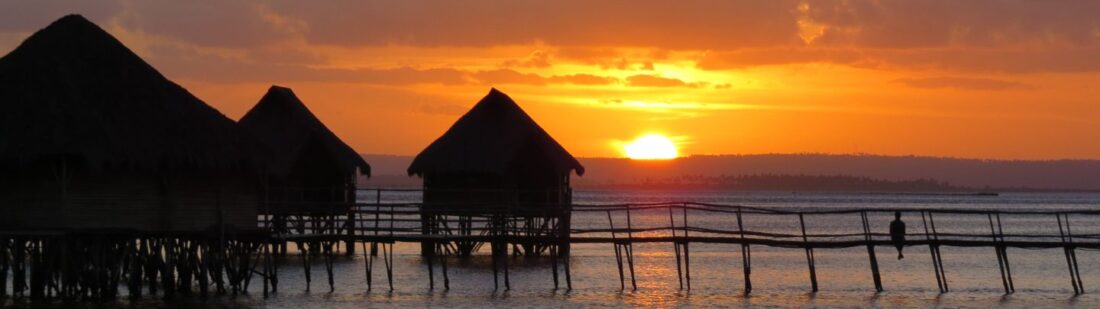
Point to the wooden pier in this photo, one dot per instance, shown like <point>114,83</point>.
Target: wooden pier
<point>95,264</point>
<point>383,224</point>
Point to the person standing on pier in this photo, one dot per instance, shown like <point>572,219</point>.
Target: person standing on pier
<point>897,233</point>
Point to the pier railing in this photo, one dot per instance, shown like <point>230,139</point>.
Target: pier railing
<point>685,223</point>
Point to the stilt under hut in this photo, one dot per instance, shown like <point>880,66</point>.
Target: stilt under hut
<point>496,172</point>
<point>107,167</point>
<point>312,172</point>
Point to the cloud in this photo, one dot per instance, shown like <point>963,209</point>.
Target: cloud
<point>509,76</point>
<point>1018,61</point>
<point>645,80</point>
<point>230,24</point>
<point>31,15</point>
<point>182,61</point>
<point>744,58</point>
<point>583,79</point>
<point>692,24</point>
<point>946,23</point>
<point>537,59</point>
<point>187,62</point>
<point>963,83</point>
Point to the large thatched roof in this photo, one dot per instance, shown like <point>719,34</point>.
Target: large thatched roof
<point>287,127</point>
<point>489,139</point>
<point>72,90</point>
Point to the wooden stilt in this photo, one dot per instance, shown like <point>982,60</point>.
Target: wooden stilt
<point>1000,257</point>
<point>554,264</point>
<point>442,254</point>
<point>932,252</point>
<point>871,252</point>
<point>809,254</point>
<point>303,249</point>
<point>368,263</point>
<point>387,254</point>
<point>675,248</point>
<point>329,255</point>
<point>936,251</point>
<point>630,251</point>
<point>431,272</point>
<point>687,266</point>
<point>746,267</point>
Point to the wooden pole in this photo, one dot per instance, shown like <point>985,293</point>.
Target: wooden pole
<point>809,254</point>
<point>1004,254</point>
<point>687,256</point>
<point>871,252</point>
<point>932,252</point>
<point>676,248</point>
<point>1000,258</point>
<point>630,252</point>
<point>745,254</point>
<point>618,252</point>
<point>938,255</point>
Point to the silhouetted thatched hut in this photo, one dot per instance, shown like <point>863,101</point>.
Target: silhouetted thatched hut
<point>497,159</point>
<point>312,171</point>
<point>91,136</point>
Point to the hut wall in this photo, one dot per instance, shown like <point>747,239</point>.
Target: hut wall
<point>315,184</point>
<point>532,182</point>
<point>119,202</point>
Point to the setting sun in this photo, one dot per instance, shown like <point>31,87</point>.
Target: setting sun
<point>651,147</point>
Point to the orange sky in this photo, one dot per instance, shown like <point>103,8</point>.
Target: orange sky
<point>1006,79</point>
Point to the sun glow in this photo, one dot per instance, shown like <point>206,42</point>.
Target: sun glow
<point>651,147</point>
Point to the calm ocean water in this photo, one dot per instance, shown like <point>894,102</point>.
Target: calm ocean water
<point>780,276</point>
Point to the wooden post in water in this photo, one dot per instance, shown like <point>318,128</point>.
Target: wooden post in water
<point>687,256</point>
<point>745,254</point>
<point>871,252</point>
<point>675,248</point>
<point>809,254</point>
<point>1071,257</point>
<point>938,256</point>
<point>932,251</point>
<point>630,251</point>
<point>350,222</point>
<point>1000,257</point>
<point>618,251</point>
<point>1004,254</point>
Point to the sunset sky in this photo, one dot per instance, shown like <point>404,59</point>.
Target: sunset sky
<point>978,79</point>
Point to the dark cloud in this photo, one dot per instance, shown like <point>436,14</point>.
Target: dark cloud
<point>187,62</point>
<point>948,23</point>
<point>963,83</point>
<point>178,61</point>
<point>31,15</point>
<point>692,24</point>
<point>1011,36</point>
<point>1066,60</point>
<point>232,24</point>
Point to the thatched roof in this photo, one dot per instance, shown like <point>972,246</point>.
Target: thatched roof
<point>282,122</point>
<point>72,90</point>
<point>489,139</point>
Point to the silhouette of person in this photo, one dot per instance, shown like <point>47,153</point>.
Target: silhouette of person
<point>897,233</point>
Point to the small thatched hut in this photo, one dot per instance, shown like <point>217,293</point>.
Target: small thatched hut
<point>494,160</point>
<point>311,170</point>
<point>92,137</point>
